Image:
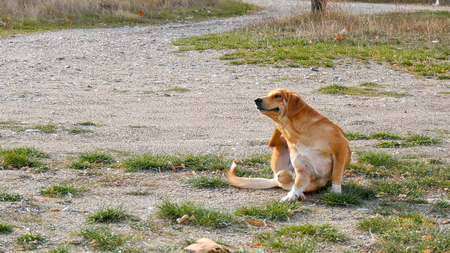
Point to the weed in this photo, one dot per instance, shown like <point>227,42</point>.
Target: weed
<point>203,216</point>
<point>87,123</point>
<point>138,192</point>
<point>441,207</point>
<point>403,46</point>
<point>371,84</point>
<point>63,189</point>
<point>103,239</point>
<point>300,238</point>
<point>6,228</point>
<point>148,162</point>
<point>275,210</point>
<point>21,157</point>
<point>10,197</point>
<point>356,91</point>
<point>407,230</point>
<point>161,162</point>
<point>356,136</point>
<point>209,181</point>
<point>45,128</point>
<point>30,241</point>
<point>80,131</point>
<point>413,140</point>
<point>50,15</point>
<point>352,194</point>
<point>92,160</point>
<point>63,248</point>
<point>178,89</point>
<point>109,214</point>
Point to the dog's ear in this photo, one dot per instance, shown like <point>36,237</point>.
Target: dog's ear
<point>276,139</point>
<point>294,105</point>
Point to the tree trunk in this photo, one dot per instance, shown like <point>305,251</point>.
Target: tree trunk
<point>318,5</point>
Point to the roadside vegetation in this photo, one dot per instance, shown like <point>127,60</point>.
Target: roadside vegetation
<point>44,15</point>
<point>309,40</point>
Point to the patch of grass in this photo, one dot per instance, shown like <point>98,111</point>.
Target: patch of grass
<point>80,131</point>
<point>300,238</point>
<point>6,228</point>
<point>39,16</point>
<point>10,197</point>
<point>102,238</point>
<point>178,89</point>
<point>87,123</point>
<point>21,157</point>
<point>63,248</point>
<point>109,214</point>
<point>371,84</point>
<point>30,241</point>
<point>45,128</point>
<point>373,164</point>
<point>149,162</point>
<point>353,194</point>
<point>442,207</point>
<point>92,159</point>
<point>138,192</point>
<point>208,181</point>
<point>274,210</point>
<point>413,140</point>
<point>412,231</point>
<point>407,46</point>
<point>356,91</point>
<point>64,189</point>
<point>377,136</point>
<point>203,216</point>
<point>208,162</point>
<point>356,136</point>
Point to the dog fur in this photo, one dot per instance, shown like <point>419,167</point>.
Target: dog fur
<point>309,150</point>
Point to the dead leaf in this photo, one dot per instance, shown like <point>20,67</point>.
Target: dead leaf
<point>339,37</point>
<point>256,223</point>
<point>205,245</point>
<point>140,13</point>
<point>427,251</point>
<point>426,237</point>
<point>55,210</point>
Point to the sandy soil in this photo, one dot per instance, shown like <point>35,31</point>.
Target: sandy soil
<point>120,79</point>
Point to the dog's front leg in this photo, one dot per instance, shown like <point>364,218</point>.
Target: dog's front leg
<point>302,180</point>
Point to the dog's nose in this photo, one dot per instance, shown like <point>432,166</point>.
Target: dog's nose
<point>258,101</point>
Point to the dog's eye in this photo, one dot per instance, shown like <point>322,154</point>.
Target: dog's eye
<point>277,96</point>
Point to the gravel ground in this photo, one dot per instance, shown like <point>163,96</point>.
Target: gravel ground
<point>120,79</point>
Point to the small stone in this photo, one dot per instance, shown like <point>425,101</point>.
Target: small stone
<point>31,130</point>
<point>66,209</point>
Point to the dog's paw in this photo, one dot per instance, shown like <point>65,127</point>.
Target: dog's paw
<point>293,196</point>
<point>336,188</point>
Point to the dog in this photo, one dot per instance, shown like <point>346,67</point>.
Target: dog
<point>309,150</point>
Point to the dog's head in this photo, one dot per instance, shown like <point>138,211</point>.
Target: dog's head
<point>279,103</point>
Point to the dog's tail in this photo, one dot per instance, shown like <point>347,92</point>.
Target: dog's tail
<point>249,183</point>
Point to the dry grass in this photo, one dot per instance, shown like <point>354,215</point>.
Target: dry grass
<point>426,26</point>
<point>35,9</point>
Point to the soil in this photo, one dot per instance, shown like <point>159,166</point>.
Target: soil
<point>127,82</point>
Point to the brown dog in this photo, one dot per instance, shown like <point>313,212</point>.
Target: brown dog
<point>308,149</point>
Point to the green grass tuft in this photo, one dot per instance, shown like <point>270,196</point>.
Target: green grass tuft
<point>6,228</point>
<point>413,140</point>
<point>209,181</point>
<point>109,214</point>
<point>203,216</point>
<point>353,194</point>
<point>92,159</point>
<point>208,162</point>
<point>412,231</point>
<point>30,241</point>
<point>300,238</point>
<point>356,91</point>
<point>10,197</point>
<point>102,238</point>
<point>274,210</point>
<point>63,248</point>
<point>21,157</point>
<point>63,189</point>
<point>80,131</point>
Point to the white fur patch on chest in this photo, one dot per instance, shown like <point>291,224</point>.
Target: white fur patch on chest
<point>311,158</point>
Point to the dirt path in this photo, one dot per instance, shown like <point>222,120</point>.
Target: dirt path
<point>120,80</point>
